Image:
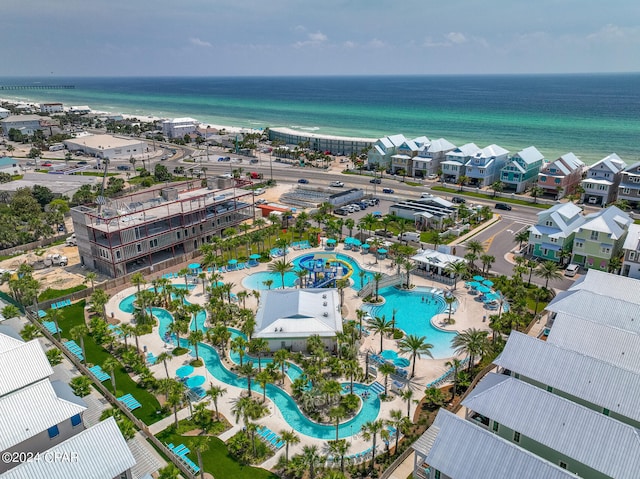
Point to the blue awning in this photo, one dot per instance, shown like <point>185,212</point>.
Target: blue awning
<point>549,246</point>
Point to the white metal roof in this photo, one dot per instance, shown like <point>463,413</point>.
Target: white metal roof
<point>100,451</point>
<point>615,286</point>
<point>593,380</point>
<point>493,150</point>
<point>102,142</point>
<point>462,450</point>
<point>566,216</point>
<point>530,155</point>
<point>611,221</point>
<point>440,145</point>
<point>464,151</point>
<point>436,258</point>
<point>298,313</point>
<point>632,241</point>
<point>587,436</point>
<point>22,365</point>
<point>32,410</point>
<point>613,163</point>
<point>602,341</point>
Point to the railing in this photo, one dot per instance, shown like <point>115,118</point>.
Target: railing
<point>369,288</point>
<point>146,433</point>
<point>445,279</point>
<point>395,464</point>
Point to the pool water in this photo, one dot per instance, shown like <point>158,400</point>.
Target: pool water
<point>126,305</point>
<point>288,407</point>
<point>413,316</point>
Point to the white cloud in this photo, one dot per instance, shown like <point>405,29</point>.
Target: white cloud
<point>375,43</point>
<point>313,39</point>
<point>612,32</point>
<point>456,37</point>
<point>317,37</point>
<point>349,44</point>
<point>199,43</point>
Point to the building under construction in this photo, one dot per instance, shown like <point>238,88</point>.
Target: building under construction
<point>143,229</point>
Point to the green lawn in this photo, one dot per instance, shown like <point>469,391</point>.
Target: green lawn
<point>217,459</point>
<point>73,316</point>
<point>489,197</point>
<point>51,293</point>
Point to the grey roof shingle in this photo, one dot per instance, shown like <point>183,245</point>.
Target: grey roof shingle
<point>587,436</point>
<point>462,450</point>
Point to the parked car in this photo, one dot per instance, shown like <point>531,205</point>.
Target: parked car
<point>426,195</point>
<point>303,181</point>
<point>571,270</point>
<point>261,201</point>
<point>458,199</point>
<point>82,163</point>
<point>377,181</point>
<point>374,201</point>
<point>341,211</point>
<point>388,191</point>
<point>503,206</point>
<point>355,207</point>
<point>377,214</point>
<point>336,184</point>
<point>46,164</point>
<point>123,167</point>
<point>432,176</point>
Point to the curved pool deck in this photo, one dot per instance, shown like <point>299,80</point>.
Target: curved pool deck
<point>283,401</point>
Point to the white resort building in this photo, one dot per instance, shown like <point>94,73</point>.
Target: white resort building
<point>286,318</point>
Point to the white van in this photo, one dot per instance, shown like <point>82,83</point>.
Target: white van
<point>409,236</point>
<point>426,195</point>
<point>571,270</point>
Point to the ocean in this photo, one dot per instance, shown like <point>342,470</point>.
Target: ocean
<point>591,115</point>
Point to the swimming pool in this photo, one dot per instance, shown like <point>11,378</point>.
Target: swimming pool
<point>126,305</point>
<point>288,407</point>
<point>413,316</point>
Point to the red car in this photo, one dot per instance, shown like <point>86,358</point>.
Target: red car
<point>46,164</point>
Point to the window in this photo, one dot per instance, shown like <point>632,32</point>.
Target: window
<point>516,437</point>
<point>543,178</point>
<point>626,191</point>
<point>495,427</point>
<point>606,249</point>
<point>553,240</point>
<point>548,223</point>
<point>562,464</point>
<point>437,474</point>
<point>517,376</point>
<point>76,420</point>
<point>557,181</point>
<point>578,244</point>
<point>139,247</point>
<point>117,254</point>
<point>594,236</point>
<point>53,431</point>
<point>549,389</point>
<point>632,255</point>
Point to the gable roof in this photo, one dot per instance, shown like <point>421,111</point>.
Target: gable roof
<point>567,164</point>
<point>617,287</point>
<point>611,221</point>
<point>598,441</point>
<point>492,151</point>
<point>593,380</point>
<point>462,450</point>
<point>632,241</point>
<point>101,453</point>
<point>602,341</point>
<point>464,151</point>
<point>613,163</point>
<point>530,155</point>
<point>21,364</point>
<point>566,216</point>
<point>440,145</point>
<point>298,313</point>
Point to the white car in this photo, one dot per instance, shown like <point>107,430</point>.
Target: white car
<point>336,184</point>
<point>355,207</point>
<point>432,176</point>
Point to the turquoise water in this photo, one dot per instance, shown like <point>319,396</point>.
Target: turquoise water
<point>255,280</point>
<point>126,304</point>
<point>289,409</point>
<point>591,115</point>
<point>413,316</point>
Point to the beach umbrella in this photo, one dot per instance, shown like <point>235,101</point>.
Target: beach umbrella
<point>194,265</point>
<point>195,381</point>
<point>483,289</point>
<point>184,371</point>
<point>473,284</point>
<point>232,261</point>
<point>478,278</point>
<point>254,256</point>
<point>487,282</point>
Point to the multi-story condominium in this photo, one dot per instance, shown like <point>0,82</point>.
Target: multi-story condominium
<point>567,405</point>
<point>403,159</point>
<point>484,168</point>
<point>336,145</point>
<point>631,253</point>
<point>40,416</point>
<point>178,127</point>
<point>51,108</point>
<point>601,183</point>
<point>454,165</point>
<point>146,228</point>
<point>380,154</point>
<point>629,187</point>
<point>600,237</point>
<point>27,124</point>
<point>521,170</point>
<point>551,238</point>
<point>429,158</point>
<point>562,176</point>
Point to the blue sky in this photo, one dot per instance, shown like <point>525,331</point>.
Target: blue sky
<point>328,37</point>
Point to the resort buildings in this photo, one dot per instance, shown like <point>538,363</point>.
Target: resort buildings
<point>157,224</point>
<point>521,170</point>
<point>562,176</point>
<point>601,182</point>
<point>51,108</point>
<point>44,416</point>
<point>178,127</point>
<point>425,212</point>
<point>629,187</point>
<point>28,125</point>
<point>485,166</point>
<point>564,407</point>
<point>454,165</point>
<point>429,158</point>
<point>551,238</point>
<point>287,318</point>
<point>107,146</point>
<point>334,144</point>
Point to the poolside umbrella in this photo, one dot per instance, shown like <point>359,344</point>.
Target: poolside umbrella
<point>478,278</point>
<point>382,251</point>
<point>483,289</point>
<point>232,261</point>
<point>331,241</point>
<point>487,282</point>
<point>254,256</point>
<point>356,242</point>
<point>194,265</point>
<point>184,371</point>
<point>366,246</point>
<point>473,284</point>
<point>195,381</point>
<point>349,240</point>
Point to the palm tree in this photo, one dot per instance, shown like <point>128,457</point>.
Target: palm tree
<point>301,274</point>
<point>407,395</point>
<point>201,445</point>
<point>539,294</point>
<point>258,346</point>
<point>361,315</point>
<point>379,325</point>
<point>476,248</point>
<point>196,337</point>
<point>169,472</point>
<point>472,342</point>
<point>248,371</point>
<point>175,398</point>
<point>268,283</point>
<point>521,237</point>
<point>462,180</point>
<point>263,378</point>
<point>535,192</point>
<point>280,357</point>
<point>289,438</point>
<point>239,346</point>
<point>137,279</point>
<point>487,261</point>
<point>416,346</point>
<point>370,430</point>
<point>400,423</point>
<point>450,300</point>
<point>90,277</point>
<point>457,269</point>
<point>164,357</point>
<point>386,369</point>
<point>339,448</point>
<point>311,458</point>
<point>377,277</point>
<point>548,271</point>
<point>337,413</point>
<point>455,365</point>
<point>281,266</point>
<point>78,333</point>
<point>215,392</point>
<point>110,365</point>
<point>497,187</point>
